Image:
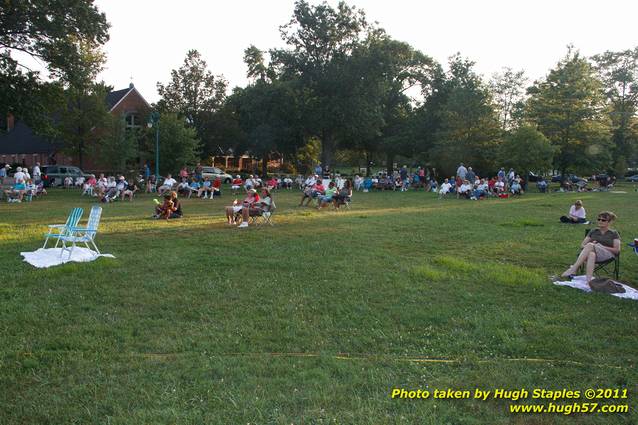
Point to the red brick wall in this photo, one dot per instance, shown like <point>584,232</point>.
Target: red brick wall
<point>133,102</point>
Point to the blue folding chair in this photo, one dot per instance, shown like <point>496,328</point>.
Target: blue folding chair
<point>56,231</point>
<point>83,235</point>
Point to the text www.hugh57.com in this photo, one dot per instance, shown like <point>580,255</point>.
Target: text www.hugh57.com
<point>568,409</point>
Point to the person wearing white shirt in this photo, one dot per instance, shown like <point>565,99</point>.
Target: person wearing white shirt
<point>445,188</point>
<point>287,182</point>
<point>37,174</point>
<point>310,181</point>
<point>577,214</point>
<point>464,190</point>
<point>481,190</point>
<point>167,185</point>
<point>499,186</point>
<point>19,176</point>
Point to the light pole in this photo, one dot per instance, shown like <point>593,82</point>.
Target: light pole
<point>153,121</point>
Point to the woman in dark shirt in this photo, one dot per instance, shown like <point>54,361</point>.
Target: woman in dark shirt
<point>177,206</point>
<point>599,245</point>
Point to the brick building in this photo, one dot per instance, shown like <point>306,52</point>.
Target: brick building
<point>22,146</point>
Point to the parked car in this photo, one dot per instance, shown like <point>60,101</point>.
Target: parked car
<point>633,178</point>
<point>572,178</point>
<point>214,172</point>
<point>54,175</point>
<point>533,177</point>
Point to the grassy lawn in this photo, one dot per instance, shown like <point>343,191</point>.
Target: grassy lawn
<point>314,320</point>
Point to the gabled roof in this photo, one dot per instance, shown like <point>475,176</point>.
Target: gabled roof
<point>22,140</point>
<point>114,97</point>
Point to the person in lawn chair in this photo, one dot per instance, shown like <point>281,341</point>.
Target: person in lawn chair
<point>344,195</point>
<point>236,208</point>
<point>312,192</point>
<point>601,244</point>
<point>257,208</point>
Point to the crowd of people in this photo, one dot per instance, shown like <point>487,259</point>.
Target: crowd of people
<point>322,189</point>
<point>23,185</point>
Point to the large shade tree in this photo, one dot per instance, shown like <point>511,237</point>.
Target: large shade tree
<point>195,94</point>
<point>321,40</point>
<point>461,119</point>
<point>50,33</point>
<point>570,109</point>
<point>619,74</point>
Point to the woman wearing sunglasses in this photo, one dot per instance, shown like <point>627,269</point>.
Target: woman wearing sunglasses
<point>599,245</point>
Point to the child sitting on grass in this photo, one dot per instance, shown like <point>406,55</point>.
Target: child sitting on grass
<point>166,209</point>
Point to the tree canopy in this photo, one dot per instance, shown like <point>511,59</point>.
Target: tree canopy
<point>54,33</point>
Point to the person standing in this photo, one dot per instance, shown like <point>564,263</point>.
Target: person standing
<point>199,171</point>
<point>461,171</point>
<point>471,176</point>
<point>147,171</point>
<point>37,174</point>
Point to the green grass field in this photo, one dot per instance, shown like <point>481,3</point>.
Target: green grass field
<point>314,320</point>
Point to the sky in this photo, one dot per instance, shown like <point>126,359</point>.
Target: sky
<point>149,38</point>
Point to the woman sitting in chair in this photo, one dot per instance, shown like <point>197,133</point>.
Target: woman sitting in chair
<point>601,244</point>
<point>257,208</point>
<point>344,195</point>
<point>251,198</point>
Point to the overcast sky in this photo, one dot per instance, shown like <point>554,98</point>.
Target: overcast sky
<point>150,38</point>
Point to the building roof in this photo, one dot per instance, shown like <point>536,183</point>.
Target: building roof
<point>114,97</point>
<point>22,140</point>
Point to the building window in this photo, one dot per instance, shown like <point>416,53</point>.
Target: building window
<point>133,121</point>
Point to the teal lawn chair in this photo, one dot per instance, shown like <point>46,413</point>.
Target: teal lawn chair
<point>58,230</point>
<point>83,235</point>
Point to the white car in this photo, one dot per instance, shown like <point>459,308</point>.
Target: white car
<point>213,172</point>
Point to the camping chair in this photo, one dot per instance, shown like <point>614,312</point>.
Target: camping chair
<point>342,203</point>
<point>265,217</point>
<point>58,230</point>
<point>83,234</point>
<point>611,266</point>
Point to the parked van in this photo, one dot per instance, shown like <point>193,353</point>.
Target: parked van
<point>54,175</point>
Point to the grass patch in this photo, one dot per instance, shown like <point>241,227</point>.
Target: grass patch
<point>313,320</point>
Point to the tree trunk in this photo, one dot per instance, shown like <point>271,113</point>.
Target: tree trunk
<point>390,163</point>
<point>264,166</point>
<point>80,154</point>
<point>327,151</point>
<point>367,164</point>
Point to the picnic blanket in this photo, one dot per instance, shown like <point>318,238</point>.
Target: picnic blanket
<point>48,257</point>
<point>579,282</point>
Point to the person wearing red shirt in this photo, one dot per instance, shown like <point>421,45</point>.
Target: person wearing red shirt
<point>312,192</point>
<point>217,188</point>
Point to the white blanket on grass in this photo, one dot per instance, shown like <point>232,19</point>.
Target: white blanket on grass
<point>51,256</point>
<point>579,282</point>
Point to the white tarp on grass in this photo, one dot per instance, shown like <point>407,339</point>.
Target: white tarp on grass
<point>579,282</point>
<point>51,256</point>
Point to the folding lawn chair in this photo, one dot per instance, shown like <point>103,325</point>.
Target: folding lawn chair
<point>58,230</point>
<point>83,235</point>
<point>266,216</point>
<point>610,266</point>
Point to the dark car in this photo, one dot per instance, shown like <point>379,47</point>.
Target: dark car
<point>533,177</point>
<point>572,178</point>
<point>633,178</point>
